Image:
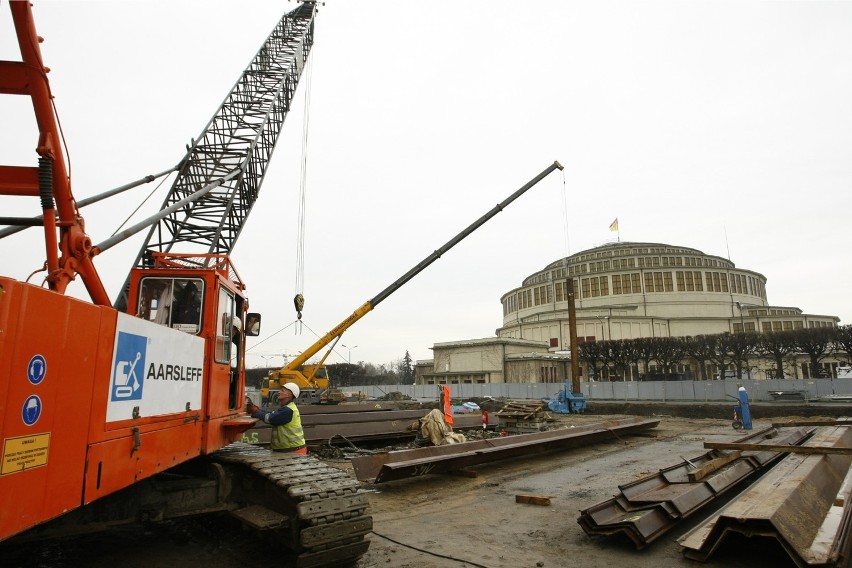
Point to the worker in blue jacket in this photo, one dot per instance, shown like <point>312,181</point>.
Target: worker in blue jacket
<point>287,432</point>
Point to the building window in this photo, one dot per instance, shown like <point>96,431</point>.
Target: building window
<point>616,284</point>
<point>766,326</point>
<point>637,283</point>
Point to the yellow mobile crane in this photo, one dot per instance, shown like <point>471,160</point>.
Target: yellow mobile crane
<point>312,379</point>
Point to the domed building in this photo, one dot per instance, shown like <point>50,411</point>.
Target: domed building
<point>622,290</point>
<point>627,290</point>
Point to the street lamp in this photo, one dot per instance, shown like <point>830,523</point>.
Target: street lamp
<point>350,351</point>
<point>266,359</point>
<point>603,331</point>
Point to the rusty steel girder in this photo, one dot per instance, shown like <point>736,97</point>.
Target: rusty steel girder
<point>389,466</point>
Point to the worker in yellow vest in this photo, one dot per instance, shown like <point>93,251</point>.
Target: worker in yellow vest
<point>287,432</point>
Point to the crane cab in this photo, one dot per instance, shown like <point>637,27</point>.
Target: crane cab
<point>202,298</point>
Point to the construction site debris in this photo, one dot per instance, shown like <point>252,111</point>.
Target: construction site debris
<point>396,395</point>
<point>435,429</point>
<point>533,500</point>
<point>524,416</point>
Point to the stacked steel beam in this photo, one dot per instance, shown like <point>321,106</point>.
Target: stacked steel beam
<point>803,503</point>
<point>402,464</point>
<point>651,506</point>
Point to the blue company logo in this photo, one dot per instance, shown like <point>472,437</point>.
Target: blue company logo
<point>36,369</point>
<point>31,411</point>
<point>128,374</point>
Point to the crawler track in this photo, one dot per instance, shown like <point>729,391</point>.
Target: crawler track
<point>314,509</point>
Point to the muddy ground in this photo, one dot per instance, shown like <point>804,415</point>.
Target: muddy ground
<point>444,521</point>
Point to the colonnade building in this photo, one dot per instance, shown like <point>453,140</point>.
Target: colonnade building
<point>622,290</point>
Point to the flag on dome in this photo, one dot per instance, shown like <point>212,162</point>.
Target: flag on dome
<point>614,225</point>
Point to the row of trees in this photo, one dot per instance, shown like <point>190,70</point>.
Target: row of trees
<point>399,372</point>
<point>345,375</point>
<point>780,352</point>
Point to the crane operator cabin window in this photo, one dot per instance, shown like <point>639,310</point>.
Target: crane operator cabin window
<point>173,302</point>
<point>228,328</point>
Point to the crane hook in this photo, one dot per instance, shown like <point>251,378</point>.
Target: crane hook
<point>299,302</point>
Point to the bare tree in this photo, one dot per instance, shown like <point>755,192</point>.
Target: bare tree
<point>843,342</point>
<point>668,352</point>
<point>720,347</point>
<point>633,356</point>
<point>592,354</point>
<point>741,347</point>
<point>645,352</point>
<point>619,354</point>
<point>700,350</point>
<point>777,346</point>
<point>816,343</point>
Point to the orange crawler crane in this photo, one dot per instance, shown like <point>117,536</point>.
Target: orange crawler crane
<point>113,414</point>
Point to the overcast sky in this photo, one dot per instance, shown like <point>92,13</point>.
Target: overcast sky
<point>720,126</point>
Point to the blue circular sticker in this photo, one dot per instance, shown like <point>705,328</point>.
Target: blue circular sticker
<point>36,369</point>
<point>31,410</point>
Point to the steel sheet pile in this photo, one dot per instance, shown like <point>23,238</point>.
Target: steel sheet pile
<point>651,506</point>
<point>803,503</point>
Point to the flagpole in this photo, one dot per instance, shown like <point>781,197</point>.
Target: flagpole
<point>614,227</point>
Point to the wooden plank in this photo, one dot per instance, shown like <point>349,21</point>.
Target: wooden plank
<point>793,423</point>
<point>713,465</point>
<point>533,500</point>
<point>810,450</point>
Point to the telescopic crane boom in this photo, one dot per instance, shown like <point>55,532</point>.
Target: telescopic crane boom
<point>292,372</point>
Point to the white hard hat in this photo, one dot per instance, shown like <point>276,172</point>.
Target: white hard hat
<point>293,388</point>
<point>237,323</point>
